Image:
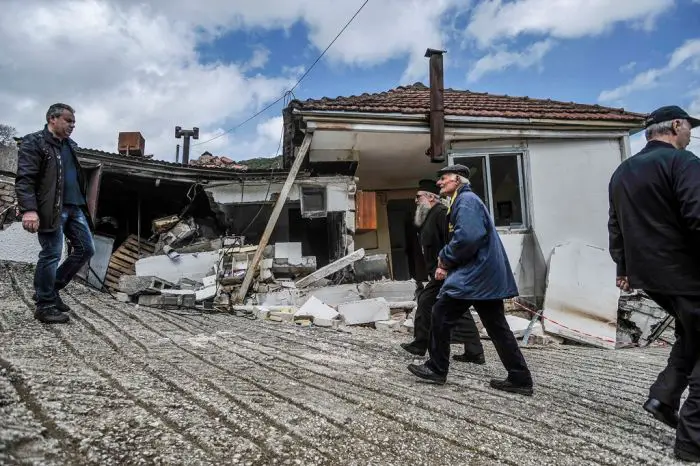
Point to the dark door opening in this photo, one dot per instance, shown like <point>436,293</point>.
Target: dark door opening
<point>406,256</point>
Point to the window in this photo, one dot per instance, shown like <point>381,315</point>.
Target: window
<point>498,180</point>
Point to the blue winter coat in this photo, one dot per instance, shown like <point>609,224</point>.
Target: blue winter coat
<point>476,261</point>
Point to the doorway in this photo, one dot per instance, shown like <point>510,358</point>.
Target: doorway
<point>406,256</point>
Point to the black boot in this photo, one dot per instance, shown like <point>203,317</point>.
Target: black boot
<point>425,373</point>
<point>50,315</point>
<point>508,386</point>
<point>414,348</point>
<point>662,412</point>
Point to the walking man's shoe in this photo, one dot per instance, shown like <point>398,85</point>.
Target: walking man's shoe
<point>662,412</point>
<point>508,386</point>
<point>50,315</point>
<point>473,359</point>
<point>425,373</point>
<point>413,349</point>
<point>60,305</point>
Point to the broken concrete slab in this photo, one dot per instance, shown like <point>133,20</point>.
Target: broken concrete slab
<point>331,268</point>
<point>372,268</point>
<point>335,295</point>
<point>315,308</point>
<point>205,293</point>
<point>194,266</point>
<point>290,252</point>
<point>135,285</point>
<point>396,291</point>
<point>387,325</point>
<point>365,311</point>
<point>283,316</point>
<point>326,323</point>
<point>581,301</point>
<point>166,301</point>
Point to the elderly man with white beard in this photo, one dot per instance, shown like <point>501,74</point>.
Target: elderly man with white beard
<point>432,222</point>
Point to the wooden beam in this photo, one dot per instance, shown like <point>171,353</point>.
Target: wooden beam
<point>272,221</point>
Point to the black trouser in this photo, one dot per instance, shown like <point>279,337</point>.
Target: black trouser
<point>468,333</point>
<point>421,324</point>
<point>447,312</point>
<point>682,369</point>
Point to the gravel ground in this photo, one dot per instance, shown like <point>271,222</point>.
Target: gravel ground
<point>126,385</point>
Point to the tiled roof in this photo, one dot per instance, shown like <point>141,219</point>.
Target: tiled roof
<point>415,99</point>
<point>152,164</point>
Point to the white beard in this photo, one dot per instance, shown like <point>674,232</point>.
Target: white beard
<point>421,214</point>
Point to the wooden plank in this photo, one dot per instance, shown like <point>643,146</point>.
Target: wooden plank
<point>122,263</point>
<point>272,221</point>
<point>119,268</point>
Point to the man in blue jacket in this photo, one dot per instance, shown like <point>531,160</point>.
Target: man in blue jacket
<point>476,271</point>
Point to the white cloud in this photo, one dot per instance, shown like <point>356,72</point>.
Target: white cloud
<point>128,65</point>
<point>687,55</point>
<point>628,67</point>
<point>564,19</point>
<point>503,59</point>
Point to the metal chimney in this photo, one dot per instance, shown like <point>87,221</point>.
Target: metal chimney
<point>436,152</point>
<point>186,134</point>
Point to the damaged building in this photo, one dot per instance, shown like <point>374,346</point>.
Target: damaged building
<point>339,211</point>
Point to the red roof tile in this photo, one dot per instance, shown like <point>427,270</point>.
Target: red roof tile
<point>415,99</point>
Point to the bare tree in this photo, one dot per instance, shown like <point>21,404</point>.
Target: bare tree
<point>6,134</point>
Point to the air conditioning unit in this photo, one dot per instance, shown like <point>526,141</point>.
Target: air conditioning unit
<point>313,202</point>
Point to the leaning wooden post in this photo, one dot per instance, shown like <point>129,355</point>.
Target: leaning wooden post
<point>272,221</point>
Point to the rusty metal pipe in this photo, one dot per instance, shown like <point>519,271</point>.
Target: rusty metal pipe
<point>437,106</point>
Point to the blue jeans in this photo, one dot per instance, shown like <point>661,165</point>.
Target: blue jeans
<point>49,278</point>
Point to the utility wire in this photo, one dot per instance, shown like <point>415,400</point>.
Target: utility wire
<point>293,87</point>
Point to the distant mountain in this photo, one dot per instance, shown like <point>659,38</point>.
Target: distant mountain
<point>262,163</point>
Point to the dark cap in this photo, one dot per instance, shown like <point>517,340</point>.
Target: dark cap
<point>459,169</point>
<point>429,186</point>
<point>668,113</point>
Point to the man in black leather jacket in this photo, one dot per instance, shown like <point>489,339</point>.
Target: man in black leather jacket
<point>50,188</point>
<point>654,230</point>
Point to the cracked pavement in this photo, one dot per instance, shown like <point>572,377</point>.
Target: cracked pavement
<point>123,384</point>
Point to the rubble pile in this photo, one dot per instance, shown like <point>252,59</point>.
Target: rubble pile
<point>213,161</point>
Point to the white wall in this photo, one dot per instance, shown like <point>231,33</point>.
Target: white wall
<point>18,245</point>
<point>569,190</point>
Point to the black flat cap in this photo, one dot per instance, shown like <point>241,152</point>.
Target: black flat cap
<point>668,113</point>
<point>459,169</point>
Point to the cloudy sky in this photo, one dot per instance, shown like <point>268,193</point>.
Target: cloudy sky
<point>137,65</point>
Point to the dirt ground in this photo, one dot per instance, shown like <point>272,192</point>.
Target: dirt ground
<point>127,385</point>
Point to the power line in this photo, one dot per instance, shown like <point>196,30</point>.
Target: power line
<point>295,85</point>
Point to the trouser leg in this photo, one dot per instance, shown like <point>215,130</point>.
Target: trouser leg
<point>688,431</point>
<point>673,379</point>
<point>446,313</point>
<point>422,322</point>
<point>492,315</point>
<point>78,233</point>
<point>45,273</point>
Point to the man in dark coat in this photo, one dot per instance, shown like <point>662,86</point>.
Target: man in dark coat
<point>50,188</point>
<point>476,271</point>
<point>431,219</point>
<point>654,229</point>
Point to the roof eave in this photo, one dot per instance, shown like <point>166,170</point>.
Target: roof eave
<point>459,120</point>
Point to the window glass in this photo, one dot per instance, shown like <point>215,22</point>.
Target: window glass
<point>505,189</point>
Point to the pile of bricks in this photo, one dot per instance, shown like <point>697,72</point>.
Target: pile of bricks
<point>7,201</point>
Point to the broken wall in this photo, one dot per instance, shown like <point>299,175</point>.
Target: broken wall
<point>328,218</point>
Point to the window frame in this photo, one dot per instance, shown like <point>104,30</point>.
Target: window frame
<point>522,157</point>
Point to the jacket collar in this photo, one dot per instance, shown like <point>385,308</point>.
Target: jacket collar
<point>51,139</point>
<point>654,144</point>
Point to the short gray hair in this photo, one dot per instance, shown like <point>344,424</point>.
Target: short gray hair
<point>56,110</point>
<point>659,129</point>
<point>463,180</point>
